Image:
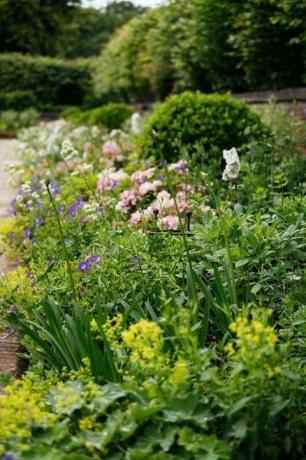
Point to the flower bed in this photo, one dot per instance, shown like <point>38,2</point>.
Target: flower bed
<point>143,343</point>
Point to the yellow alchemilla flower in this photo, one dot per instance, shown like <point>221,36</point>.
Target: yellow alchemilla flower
<point>86,423</point>
<point>179,373</point>
<point>144,339</point>
<point>22,407</point>
<point>254,345</point>
<point>112,328</point>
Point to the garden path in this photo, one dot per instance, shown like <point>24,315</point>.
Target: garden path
<point>8,343</point>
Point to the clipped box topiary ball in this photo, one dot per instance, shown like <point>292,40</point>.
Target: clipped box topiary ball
<point>213,121</point>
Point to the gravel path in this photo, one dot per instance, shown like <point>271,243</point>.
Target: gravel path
<point>7,152</point>
<point>8,344</point>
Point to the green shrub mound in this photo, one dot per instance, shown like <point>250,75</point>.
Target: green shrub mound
<point>213,121</point>
<point>111,115</point>
<point>31,81</point>
<point>17,100</point>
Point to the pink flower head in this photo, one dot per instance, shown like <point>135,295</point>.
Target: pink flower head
<point>135,219</point>
<point>204,208</point>
<point>164,201</point>
<point>112,149</point>
<point>180,167</point>
<point>128,199</point>
<point>149,211</point>
<point>139,177</point>
<point>107,178</point>
<point>168,223</point>
<point>148,187</point>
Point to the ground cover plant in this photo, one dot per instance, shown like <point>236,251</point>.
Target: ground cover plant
<point>160,300</point>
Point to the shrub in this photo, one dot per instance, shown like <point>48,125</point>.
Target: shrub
<point>42,82</point>
<point>17,100</point>
<point>12,120</point>
<point>212,121</point>
<point>111,115</point>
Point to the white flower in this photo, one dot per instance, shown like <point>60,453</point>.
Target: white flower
<point>135,123</point>
<point>232,167</point>
<point>68,152</point>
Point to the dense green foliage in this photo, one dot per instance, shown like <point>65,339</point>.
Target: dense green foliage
<point>150,344</point>
<point>214,122</point>
<point>13,120</point>
<point>32,26</point>
<point>111,115</point>
<point>28,81</point>
<point>60,28</point>
<point>206,45</point>
<point>91,29</point>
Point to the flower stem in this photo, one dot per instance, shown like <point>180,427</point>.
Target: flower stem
<point>69,269</point>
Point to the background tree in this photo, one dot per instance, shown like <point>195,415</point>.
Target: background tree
<point>91,29</point>
<point>33,26</point>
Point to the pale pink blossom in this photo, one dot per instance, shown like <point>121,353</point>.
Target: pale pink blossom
<point>135,219</point>
<point>204,208</point>
<point>168,223</point>
<point>182,206</point>
<point>148,187</point>
<point>112,149</point>
<point>164,201</point>
<point>139,177</point>
<point>180,167</point>
<point>129,197</point>
<point>108,177</point>
<point>150,210</point>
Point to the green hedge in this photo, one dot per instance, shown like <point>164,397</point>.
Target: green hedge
<point>42,82</point>
<point>213,121</point>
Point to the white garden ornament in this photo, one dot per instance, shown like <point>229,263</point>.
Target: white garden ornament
<point>232,167</point>
<point>135,123</point>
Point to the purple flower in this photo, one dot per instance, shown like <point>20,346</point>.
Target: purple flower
<point>8,457</point>
<point>93,260</point>
<point>100,211</point>
<point>13,311</point>
<point>82,290</point>
<point>161,177</point>
<point>56,191</point>
<point>33,242</point>
<point>38,223</point>
<point>10,330</point>
<point>26,234</point>
<point>114,185</point>
<point>61,208</point>
<point>83,266</point>
<point>73,209</point>
<point>13,202</point>
<point>136,260</point>
<point>39,204</point>
<point>12,237</point>
<point>86,265</point>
